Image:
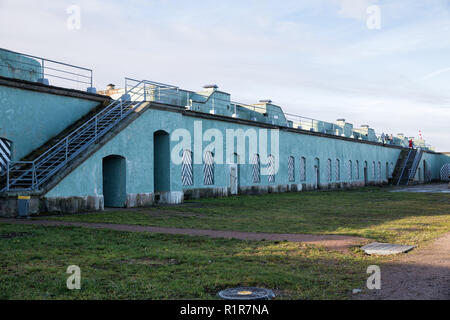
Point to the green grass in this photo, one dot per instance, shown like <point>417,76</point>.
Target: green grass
<point>374,213</point>
<point>122,265</point>
<point>132,265</point>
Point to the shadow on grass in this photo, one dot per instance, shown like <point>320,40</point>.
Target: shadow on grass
<point>369,212</point>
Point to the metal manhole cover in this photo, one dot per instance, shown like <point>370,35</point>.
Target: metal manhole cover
<point>246,293</point>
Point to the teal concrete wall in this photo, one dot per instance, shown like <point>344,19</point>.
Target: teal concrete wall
<point>29,118</point>
<point>136,144</point>
<point>430,166</point>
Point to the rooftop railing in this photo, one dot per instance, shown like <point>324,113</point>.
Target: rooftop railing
<point>170,94</point>
<point>38,69</point>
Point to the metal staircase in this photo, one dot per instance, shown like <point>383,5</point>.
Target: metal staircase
<point>31,175</point>
<point>415,165</point>
<point>409,167</point>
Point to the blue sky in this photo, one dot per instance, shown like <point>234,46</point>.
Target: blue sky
<point>314,58</point>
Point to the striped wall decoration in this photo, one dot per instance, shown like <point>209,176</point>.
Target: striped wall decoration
<point>329,174</point>
<point>187,172</point>
<point>5,154</point>
<point>373,170</point>
<point>291,169</point>
<point>350,170</point>
<point>302,169</point>
<point>256,169</point>
<point>208,168</point>
<point>445,172</point>
<point>271,168</point>
<point>338,170</point>
<point>379,170</point>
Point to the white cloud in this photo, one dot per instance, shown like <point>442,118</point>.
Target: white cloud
<point>435,73</point>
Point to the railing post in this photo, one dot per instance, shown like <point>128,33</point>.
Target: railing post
<point>96,127</point>
<point>159,94</point>
<point>145,93</point>
<point>121,108</point>
<point>43,73</point>
<point>33,181</point>
<point>7,176</point>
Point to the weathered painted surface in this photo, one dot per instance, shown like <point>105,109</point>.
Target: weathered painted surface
<point>17,66</point>
<point>29,118</point>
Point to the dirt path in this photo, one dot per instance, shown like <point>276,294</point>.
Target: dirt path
<point>421,274</point>
<point>333,242</point>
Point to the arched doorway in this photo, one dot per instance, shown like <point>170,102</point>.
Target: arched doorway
<point>316,173</point>
<point>366,179</point>
<point>234,174</point>
<point>114,181</point>
<point>387,171</point>
<point>425,178</point>
<point>161,161</point>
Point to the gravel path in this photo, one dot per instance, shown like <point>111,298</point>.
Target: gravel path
<point>333,242</point>
<point>423,273</point>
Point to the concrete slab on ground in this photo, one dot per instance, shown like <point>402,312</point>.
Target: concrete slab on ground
<point>386,248</point>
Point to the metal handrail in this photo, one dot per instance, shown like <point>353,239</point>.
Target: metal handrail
<point>44,67</point>
<point>74,143</point>
<point>416,162</point>
<point>404,167</point>
<point>97,118</point>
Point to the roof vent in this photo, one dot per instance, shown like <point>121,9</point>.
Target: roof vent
<point>364,126</point>
<point>210,86</point>
<point>340,120</point>
<point>265,101</point>
<point>110,86</point>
